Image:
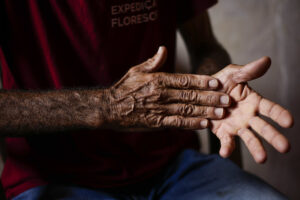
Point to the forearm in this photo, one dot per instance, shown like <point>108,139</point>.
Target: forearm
<point>29,112</point>
<point>209,60</point>
<point>142,98</point>
<point>207,56</point>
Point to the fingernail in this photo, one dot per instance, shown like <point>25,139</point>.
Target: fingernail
<point>213,83</point>
<point>160,49</point>
<point>219,112</point>
<point>204,123</point>
<point>224,99</point>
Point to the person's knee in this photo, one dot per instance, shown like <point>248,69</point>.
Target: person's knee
<point>239,184</point>
<point>251,187</point>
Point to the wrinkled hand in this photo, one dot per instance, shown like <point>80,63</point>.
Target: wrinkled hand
<point>243,116</point>
<point>144,98</point>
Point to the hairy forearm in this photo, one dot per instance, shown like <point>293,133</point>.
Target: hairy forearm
<point>142,98</point>
<point>29,112</point>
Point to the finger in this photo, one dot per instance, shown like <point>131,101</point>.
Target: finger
<point>227,145</point>
<point>189,110</point>
<point>203,98</point>
<point>153,63</point>
<point>191,123</point>
<point>270,134</point>
<point>224,133</point>
<point>252,70</point>
<point>253,144</point>
<point>185,81</point>
<point>277,113</point>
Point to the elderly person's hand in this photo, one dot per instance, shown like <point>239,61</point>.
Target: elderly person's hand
<point>243,115</point>
<point>144,98</point>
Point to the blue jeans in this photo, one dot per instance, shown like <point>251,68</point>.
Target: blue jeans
<point>192,176</point>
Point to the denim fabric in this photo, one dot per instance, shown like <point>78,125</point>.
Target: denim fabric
<point>193,176</point>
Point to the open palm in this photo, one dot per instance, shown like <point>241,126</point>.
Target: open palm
<point>243,115</point>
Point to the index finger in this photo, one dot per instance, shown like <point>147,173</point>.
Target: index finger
<point>188,81</point>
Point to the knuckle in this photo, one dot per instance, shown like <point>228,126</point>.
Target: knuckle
<point>226,139</point>
<point>186,110</point>
<point>269,109</point>
<point>151,77</point>
<point>265,130</point>
<point>158,122</point>
<point>150,60</point>
<point>160,94</point>
<point>202,83</point>
<point>189,95</point>
<point>211,99</point>
<point>251,142</point>
<point>219,135</point>
<point>178,122</point>
<point>155,121</point>
<point>183,95</point>
<point>194,95</point>
<point>157,110</point>
<point>154,95</point>
<point>203,111</point>
<point>156,76</point>
<point>273,138</point>
<point>273,110</point>
<point>133,69</point>
<point>241,132</point>
<point>184,81</point>
<point>188,124</point>
<point>157,80</point>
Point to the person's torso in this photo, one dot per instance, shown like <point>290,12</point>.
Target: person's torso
<point>85,43</point>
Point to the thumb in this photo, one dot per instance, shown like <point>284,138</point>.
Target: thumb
<point>154,63</point>
<point>252,70</point>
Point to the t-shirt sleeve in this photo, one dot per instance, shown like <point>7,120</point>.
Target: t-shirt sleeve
<point>187,9</point>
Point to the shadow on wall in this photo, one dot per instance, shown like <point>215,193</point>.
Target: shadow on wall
<point>254,28</point>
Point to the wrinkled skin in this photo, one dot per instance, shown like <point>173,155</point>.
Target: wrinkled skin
<point>243,114</point>
<point>144,98</point>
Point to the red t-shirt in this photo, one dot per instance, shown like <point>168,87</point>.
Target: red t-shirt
<point>53,44</point>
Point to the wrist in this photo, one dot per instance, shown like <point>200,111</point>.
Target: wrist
<point>98,117</point>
